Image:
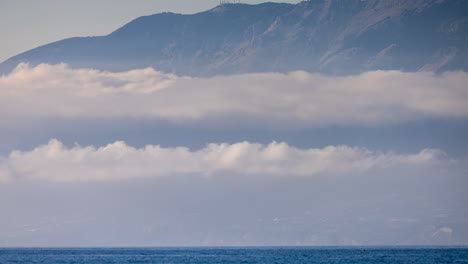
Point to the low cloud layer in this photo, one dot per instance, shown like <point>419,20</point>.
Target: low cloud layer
<point>56,162</point>
<point>48,91</point>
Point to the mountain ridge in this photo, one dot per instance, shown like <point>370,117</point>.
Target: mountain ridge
<point>327,36</point>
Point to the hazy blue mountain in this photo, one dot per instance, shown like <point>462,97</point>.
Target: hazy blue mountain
<point>328,36</point>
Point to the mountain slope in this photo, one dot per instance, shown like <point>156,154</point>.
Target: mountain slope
<point>328,36</point>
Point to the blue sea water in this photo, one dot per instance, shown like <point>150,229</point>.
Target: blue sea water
<point>272,255</point>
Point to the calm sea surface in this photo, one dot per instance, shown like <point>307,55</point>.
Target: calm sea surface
<point>236,255</point>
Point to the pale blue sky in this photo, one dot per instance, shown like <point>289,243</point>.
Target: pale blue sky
<point>26,24</point>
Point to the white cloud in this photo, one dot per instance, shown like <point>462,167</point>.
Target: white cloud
<point>446,229</point>
<point>443,230</point>
<point>56,162</point>
<point>314,99</point>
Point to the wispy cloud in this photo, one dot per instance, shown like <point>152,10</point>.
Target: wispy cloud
<point>56,162</point>
<point>298,97</point>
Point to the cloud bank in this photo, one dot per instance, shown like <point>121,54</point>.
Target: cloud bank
<point>48,91</point>
<point>56,162</point>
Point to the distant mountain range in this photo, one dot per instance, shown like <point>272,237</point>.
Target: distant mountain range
<point>335,37</point>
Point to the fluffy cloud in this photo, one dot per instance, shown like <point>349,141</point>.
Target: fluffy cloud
<point>56,162</point>
<point>314,99</point>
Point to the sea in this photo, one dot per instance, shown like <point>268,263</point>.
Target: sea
<point>264,255</point>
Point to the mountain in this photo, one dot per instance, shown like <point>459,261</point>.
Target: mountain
<point>335,37</point>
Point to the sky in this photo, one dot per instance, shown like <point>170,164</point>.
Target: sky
<point>95,158</point>
<point>28,23</point>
